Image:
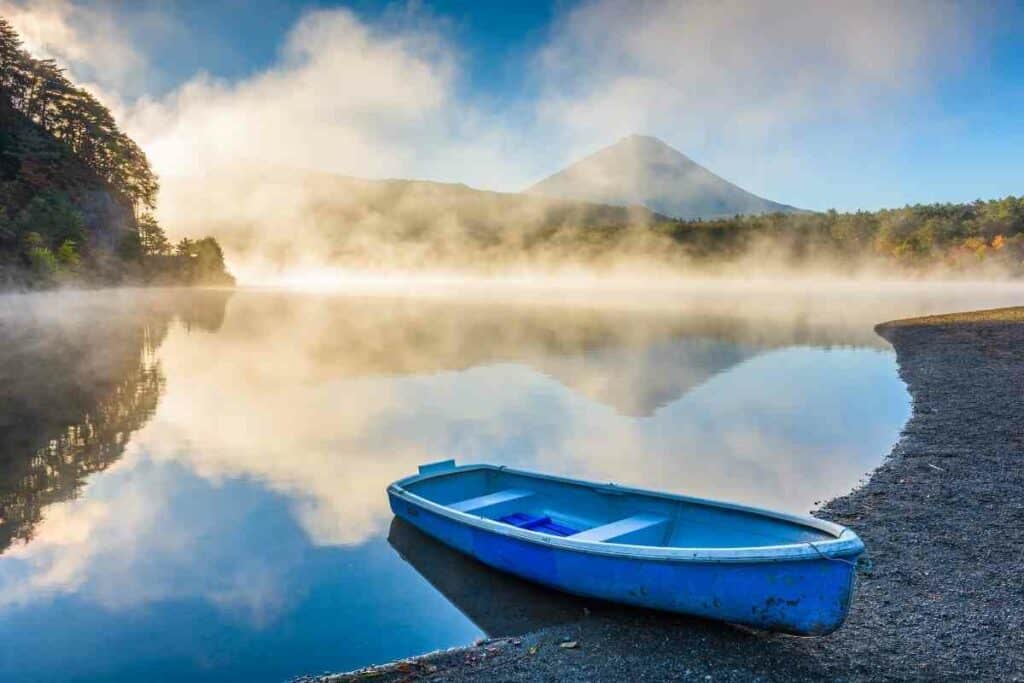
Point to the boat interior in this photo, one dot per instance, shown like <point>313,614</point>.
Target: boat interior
<point>587,512</point>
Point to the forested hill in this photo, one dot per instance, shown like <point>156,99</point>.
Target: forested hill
<point>76,193</point>
<point>976,238</point>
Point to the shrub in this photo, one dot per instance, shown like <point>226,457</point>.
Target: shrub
<point>67,255</point>
<point>42,261</point>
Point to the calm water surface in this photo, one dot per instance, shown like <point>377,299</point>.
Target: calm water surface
<point>192,483</point>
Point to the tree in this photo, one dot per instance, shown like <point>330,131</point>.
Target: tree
<point>152,239</point>
<point>53,217</point>
<point>67,255</point>
<point>209,261</point>
<point>61,148</point>
<point>129,248</point>
<point>202,262</point>
<point>8,233</point>
<point>185,248</point>
<point>39,89</point>
<point>13,59</point>
<point>42,262</point>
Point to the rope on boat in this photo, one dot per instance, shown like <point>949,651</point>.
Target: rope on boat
<point>862,563</point>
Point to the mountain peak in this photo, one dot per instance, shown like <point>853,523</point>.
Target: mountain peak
<point>638,139</point>
<point>644,170</point>
<point>645,144</point>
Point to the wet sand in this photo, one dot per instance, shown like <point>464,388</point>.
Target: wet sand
<point>943,520</point>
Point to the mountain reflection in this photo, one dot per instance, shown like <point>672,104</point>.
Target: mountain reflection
<point>81,372</point>
<point>634,358</point>
<point>237,451</point>
<point>78,375</point>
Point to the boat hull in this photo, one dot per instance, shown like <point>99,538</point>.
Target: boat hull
<point>799,596</point>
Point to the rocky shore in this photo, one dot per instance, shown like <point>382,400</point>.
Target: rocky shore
<point>942,517</point>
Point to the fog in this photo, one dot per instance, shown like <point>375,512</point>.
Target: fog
<point>139,452</point>
<point>172,461</point>
<point>268,162</point>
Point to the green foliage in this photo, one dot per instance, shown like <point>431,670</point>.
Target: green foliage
<point>152,239</point>
<point>61,152</point>
<point>52,216</point>
<point>185,248</point>
<point>42,262</point>
<point>129,247</point>
<point>202,262</point>
<point>67,255</point>
<point>209,259</point>
<point>30,240</point>
<point>8,233</point>
<point>38,89</point>
<point>920,236</point>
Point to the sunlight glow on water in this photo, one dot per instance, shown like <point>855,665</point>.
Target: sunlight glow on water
<point>193,482</point>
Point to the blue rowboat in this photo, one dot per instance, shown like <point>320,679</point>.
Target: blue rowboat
<point>711,559</point>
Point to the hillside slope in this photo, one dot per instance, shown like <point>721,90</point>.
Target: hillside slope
<point>645,171</point>
<point>290,215</point>
<point>36,168</point>
<point>76,193</point>
<point>293,219</point>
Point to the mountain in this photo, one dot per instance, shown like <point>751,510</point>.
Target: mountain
<point>356,222</point>
<point>419,204</point>
<point>644,170</point>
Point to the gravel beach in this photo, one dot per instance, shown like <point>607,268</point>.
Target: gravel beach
<point>943,520</point>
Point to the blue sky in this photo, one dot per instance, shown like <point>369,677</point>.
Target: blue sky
<point>236,38</point>
<point>846,106</point>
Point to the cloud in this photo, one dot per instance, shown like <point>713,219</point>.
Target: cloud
<point>739,73</point>
<point>152,532</point>
<point>344,97</point>
<point>340,99</point>
<point>325,400</point>
<point>315,403</point>
<point>92,42</point>
<point>742,83</point>
<point>729,82</point>
<point>742,86</point>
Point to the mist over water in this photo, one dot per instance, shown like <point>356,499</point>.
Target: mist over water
<point>193,481</point>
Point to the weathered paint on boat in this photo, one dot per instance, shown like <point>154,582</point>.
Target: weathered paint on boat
<point>718,560</point>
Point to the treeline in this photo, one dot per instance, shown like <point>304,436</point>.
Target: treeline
<point>956,237</point>
<point>38,89</point>
<point>76,193</point>
<point>981,238</point>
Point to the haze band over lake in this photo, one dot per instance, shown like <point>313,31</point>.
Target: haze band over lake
<point>267,273</point>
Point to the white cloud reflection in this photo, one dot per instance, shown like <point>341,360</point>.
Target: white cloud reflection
<point>316,403</point>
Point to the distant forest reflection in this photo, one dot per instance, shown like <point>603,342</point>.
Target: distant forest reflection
<point>78,375</point>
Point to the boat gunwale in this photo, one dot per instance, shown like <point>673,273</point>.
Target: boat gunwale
<point>845,542</point>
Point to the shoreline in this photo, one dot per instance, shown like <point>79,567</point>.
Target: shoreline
<point>943,520</point>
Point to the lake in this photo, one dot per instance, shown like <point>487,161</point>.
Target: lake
<point>192,483</point>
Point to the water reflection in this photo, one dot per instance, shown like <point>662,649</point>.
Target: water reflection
<point>498,604</point>
<point>233,524</point>
<point>78,375</point>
